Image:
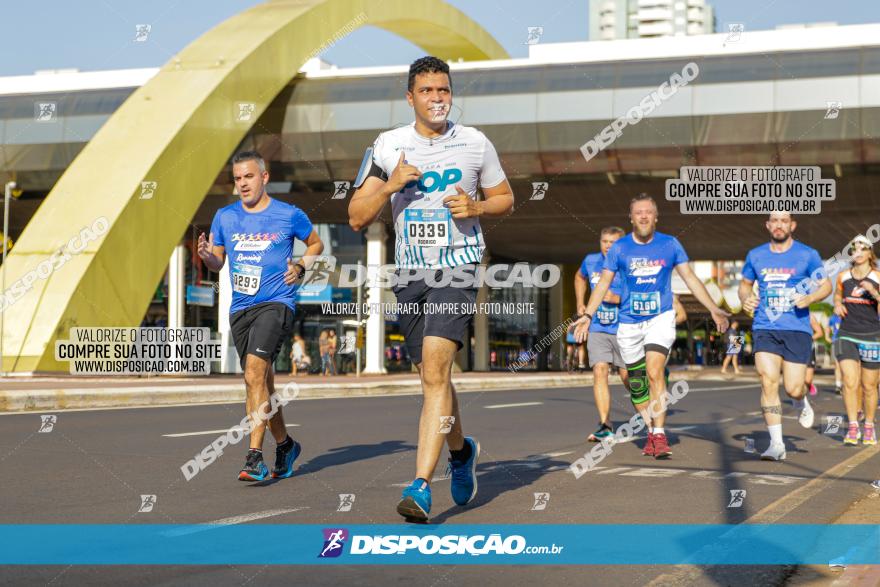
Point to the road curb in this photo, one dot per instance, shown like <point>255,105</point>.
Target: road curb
<point>34,400</point>
<point>30,400</point>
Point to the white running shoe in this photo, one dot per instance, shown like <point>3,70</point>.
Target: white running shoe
<point>775,452</point>
<point>806,418</point>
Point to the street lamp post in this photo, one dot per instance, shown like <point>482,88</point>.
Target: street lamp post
<point>10,185</point>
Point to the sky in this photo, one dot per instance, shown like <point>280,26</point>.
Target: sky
<point>92,35</point>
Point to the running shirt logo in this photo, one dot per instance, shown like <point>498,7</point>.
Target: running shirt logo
<point>777,273</point>
<point>640,266</point>
<point>254,242</point>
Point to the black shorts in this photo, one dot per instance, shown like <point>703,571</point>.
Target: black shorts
<point>793,346</point>
<point>261,330</point>
<point>847,347</point>
<point>434,311</point>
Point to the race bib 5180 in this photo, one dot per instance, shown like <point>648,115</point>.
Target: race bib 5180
<point>645,303</point>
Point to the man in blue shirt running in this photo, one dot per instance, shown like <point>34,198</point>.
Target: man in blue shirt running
<point>645,259</point>
<point>258,233</point>
<point>603,350</point>
<point>790,277</point>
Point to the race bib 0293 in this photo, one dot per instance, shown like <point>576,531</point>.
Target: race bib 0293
<point>246,278</point>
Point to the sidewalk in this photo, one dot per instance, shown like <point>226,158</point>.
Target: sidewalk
<point>59,392</point>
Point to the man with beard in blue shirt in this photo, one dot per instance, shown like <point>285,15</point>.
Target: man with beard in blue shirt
<point>645,259</point>
<point>785,270</point>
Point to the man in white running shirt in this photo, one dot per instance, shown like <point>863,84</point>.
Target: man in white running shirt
<point>430,171</point>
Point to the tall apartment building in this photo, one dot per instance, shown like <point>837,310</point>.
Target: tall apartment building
<point>630,19</point>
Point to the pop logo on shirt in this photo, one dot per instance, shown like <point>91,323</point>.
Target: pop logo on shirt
<point>431,181</point>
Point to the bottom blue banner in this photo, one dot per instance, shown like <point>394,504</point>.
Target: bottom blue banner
<point>200,544</point>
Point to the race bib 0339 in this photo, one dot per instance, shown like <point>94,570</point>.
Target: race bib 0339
<point>427,227</point>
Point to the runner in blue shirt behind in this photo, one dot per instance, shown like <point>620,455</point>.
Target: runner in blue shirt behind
<point>258,233</point>
<point>781,331</point>
<point>602,347</point>
<point>646,331</point>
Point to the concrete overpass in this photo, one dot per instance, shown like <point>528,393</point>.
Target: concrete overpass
<point>761,101</point>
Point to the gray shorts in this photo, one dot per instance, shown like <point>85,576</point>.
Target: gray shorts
<point>603,348</point>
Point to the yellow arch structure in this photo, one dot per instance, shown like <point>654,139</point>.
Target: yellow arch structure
<point>178,130</point>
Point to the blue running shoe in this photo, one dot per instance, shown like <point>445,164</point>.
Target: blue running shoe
<point>464,475</point>
<point>254,468</point>
<point>284,457</point>
<point>415,501</point>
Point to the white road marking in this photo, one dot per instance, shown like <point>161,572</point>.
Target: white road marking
<point>205,432</point>
<point>682,428</point>
<point>756,478</point>
<point>496,406</point>
<point>244,518</point>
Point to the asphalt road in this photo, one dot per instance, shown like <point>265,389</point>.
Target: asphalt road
<point>94,466</point>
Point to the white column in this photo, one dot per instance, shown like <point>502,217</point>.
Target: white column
<point>229,360</point>
<point>176,287</point>
<point>375,335</point>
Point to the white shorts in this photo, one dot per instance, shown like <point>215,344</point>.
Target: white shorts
<point>657,332</point>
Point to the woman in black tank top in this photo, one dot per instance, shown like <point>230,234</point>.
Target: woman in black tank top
<point>858,345</point>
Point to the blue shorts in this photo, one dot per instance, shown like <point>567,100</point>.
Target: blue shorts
<point>793,346</point>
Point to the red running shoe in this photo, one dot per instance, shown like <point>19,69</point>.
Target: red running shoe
<point>648,451</point>
<point>661,447</point>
